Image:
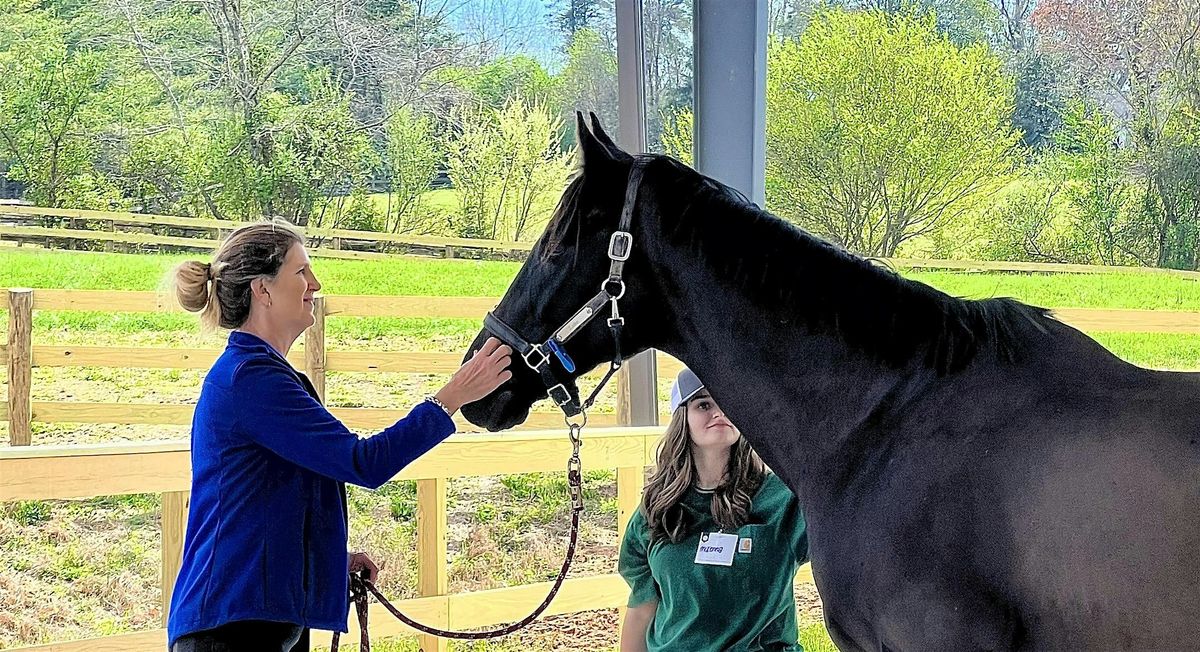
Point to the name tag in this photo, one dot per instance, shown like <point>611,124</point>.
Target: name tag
<point>716,549</point>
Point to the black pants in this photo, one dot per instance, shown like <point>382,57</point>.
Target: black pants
<point>246,636</point>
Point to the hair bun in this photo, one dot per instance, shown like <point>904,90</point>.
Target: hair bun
<point>192,284</point>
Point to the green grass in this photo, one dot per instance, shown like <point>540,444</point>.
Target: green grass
<point>443,201</point>
<point>39,268</point>
<point>1146,291</point>
<point>148,272</point>
<point>814,638</point>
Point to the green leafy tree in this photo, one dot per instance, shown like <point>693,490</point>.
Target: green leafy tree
<point>410,162</point>
<point>1100,193</point>
<point>679,134</point>
<point>589,80</point>
<point>51,112</point>
<point>508,168</point>
<point>880,130</point>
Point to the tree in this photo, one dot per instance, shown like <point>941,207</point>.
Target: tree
<point>494,84</point>
<point>679,134</point>
<point>1134,58</point>
<point>589,80</point>
<point>879,130</point>
<point>1100,193</point>
<point>1016,31</point>
<point>667,26</point>
<point>507,167</point>
<point>1027,226</point>
<point>410,161</point>
<point>1040,96</point>
<point>574,15</point>
<point>51,112</point>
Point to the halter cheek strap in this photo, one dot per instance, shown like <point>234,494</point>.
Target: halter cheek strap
<point>537,356</point>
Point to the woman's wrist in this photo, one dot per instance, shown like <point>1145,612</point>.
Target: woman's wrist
<point>445,400</point>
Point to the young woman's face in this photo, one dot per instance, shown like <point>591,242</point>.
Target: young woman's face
<point>292,291</point>
<point>707,423</point>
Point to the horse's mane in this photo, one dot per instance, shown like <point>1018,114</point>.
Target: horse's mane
<point>812,282</point>
<point>561,221</point>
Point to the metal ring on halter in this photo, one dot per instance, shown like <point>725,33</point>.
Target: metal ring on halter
<point>572,425</point>
<point>616,280</point>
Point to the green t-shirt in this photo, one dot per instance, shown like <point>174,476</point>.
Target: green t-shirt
<point>745,607</point>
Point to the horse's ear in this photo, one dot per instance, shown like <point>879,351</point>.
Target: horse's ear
<point>591,149</point>
<point>601,135</point>
<point>617,153</point>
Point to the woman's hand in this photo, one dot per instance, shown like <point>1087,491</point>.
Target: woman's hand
<point>359,561</point>
<point>481,375</point>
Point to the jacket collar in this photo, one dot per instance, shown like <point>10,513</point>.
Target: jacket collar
<point>253,344</point>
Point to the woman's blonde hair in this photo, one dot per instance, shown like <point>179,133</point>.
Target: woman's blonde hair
<point>675,473</point>
<point>220,290</point>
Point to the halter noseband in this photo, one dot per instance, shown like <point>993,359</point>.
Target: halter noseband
<point>538,356</point>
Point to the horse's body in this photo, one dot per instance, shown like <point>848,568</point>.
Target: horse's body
<point>975,475</point>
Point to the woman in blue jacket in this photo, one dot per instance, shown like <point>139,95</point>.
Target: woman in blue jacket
<point>265,557</point>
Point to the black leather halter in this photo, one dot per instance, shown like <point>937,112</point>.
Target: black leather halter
<point>538,356</point>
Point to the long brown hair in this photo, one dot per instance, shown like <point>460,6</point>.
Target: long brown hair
<point>675,473</point>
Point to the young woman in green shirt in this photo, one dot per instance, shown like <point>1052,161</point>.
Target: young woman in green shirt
<point>711,555</point>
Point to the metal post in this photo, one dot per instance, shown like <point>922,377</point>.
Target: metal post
<point>730,41</point>
<point>641,370</point>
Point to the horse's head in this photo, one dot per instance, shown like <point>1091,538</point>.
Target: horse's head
<point>561,298</point>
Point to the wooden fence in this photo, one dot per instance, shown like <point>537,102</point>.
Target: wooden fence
<point>71,472</point>
<point>21,223</point>
<point>312,356</point>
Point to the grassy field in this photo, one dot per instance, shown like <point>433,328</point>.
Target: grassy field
<point>71,569</point>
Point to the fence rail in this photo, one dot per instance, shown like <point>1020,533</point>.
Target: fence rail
<point>72,472</point>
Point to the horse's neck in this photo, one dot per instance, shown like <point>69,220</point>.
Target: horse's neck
<point>797,395</point>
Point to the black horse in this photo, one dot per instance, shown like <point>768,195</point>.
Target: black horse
<point>976,475</point>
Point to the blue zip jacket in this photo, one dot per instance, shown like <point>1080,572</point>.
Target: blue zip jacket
<point>267,525</point>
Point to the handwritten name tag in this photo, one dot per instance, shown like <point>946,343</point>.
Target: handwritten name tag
<point>716,549</point>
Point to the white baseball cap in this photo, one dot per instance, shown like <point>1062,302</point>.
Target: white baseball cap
<point>685,387</point>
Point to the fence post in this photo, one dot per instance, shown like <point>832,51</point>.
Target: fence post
<point>174,525</point>
<point>630,479</point>
<point>431,554</point>
<point>314,348</point>
<point>20,366</point>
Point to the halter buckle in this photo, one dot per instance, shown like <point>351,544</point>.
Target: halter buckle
<point>559,394</point>
<point>536,349</point>
<point>620,245</point>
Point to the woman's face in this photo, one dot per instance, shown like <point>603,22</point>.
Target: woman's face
<point>707,423</point>
<point>291,300</point>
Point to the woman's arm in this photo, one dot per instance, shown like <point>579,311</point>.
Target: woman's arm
<point>637,623</point>
<point>275,411</point>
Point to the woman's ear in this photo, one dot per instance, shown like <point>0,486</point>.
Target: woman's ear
<point>259,291</point>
